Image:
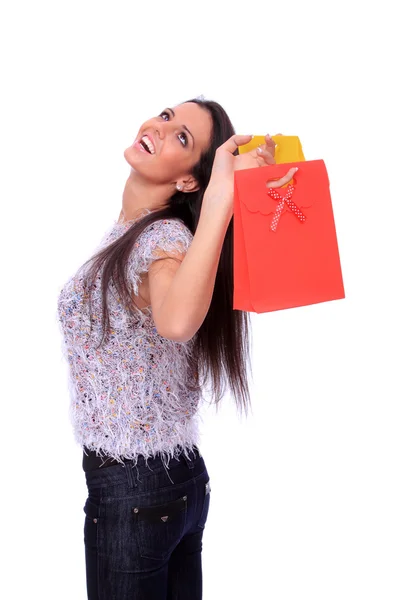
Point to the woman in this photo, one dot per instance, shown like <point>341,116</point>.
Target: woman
<point>147,321</point>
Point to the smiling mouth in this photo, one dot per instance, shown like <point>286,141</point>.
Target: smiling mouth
<point>147,145</point>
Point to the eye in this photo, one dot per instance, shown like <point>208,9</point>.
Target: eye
<point>164,113</point>
<point>182,137</point>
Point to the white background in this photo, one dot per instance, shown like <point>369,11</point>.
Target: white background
<point>305,493</point>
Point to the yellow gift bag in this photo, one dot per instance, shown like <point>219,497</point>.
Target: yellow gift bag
<point>288,148</point>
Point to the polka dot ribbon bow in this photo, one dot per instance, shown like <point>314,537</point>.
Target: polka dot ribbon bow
<point>287,199</point>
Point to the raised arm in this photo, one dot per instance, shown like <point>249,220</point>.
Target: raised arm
<point>181,290</point>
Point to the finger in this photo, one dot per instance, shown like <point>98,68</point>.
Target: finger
<point>235,141</point>
<point>284,180</point>
<point>269,141</point>
<point>270,144</point>
<point>266,155</point>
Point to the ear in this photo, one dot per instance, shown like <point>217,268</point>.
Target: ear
<point>190,185</point>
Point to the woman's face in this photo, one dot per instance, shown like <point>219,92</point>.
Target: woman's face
<point>168,146</point>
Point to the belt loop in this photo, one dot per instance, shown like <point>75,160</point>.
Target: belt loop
<point>130,475</point>
<point>188,461</point>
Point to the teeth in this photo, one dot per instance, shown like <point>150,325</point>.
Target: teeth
<point>149,144</point>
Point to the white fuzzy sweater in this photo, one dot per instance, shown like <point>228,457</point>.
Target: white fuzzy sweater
<point>129,397</point>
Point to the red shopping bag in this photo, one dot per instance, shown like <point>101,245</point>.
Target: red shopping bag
<point>285,246</point>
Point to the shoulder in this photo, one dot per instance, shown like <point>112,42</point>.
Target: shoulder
<point>163,238</point>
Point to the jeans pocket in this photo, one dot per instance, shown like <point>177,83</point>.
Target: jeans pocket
<point>90,530</point>
<point>160,527</point>
<point>206,505</point>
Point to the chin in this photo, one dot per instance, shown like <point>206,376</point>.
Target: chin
<point>138,166</point>
<point>131,158</point>
<point>135,157</point>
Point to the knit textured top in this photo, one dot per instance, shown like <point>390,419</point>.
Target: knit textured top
<point>136,394</point>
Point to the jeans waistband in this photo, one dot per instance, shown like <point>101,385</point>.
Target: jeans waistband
<point>91,461</point>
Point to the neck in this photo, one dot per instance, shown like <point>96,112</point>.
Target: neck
<point>140,195</point>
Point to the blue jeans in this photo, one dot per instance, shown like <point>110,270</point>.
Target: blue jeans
<point>143,529</point>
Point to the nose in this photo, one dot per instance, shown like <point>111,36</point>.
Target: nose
<point>160,132</point>
<point>162,129</point>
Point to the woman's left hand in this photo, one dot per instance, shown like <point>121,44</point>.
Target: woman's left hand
<point>220,190</point>
<point>260,157</point>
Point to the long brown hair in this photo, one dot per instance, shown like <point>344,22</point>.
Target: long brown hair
<point>221,345</point>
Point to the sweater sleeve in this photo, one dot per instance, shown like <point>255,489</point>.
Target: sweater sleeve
<point>167,235</point>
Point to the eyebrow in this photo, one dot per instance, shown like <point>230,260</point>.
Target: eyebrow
<point>184,126</point>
